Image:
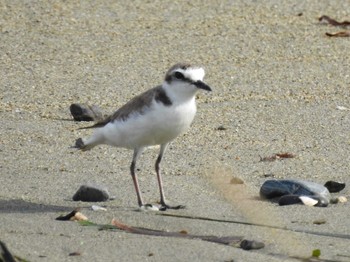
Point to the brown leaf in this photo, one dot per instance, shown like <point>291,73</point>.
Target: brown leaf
<point>285,155</point>
<point>333,22</point>
<point>276,156</point>
<point>339,34</point>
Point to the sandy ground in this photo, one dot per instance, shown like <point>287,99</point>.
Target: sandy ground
<point>278,83</point>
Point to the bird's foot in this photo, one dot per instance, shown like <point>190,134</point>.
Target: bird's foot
<point>165,206</point>
<point>149,207</point>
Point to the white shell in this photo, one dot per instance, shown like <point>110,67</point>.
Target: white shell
<point>308,201</point>
<point>98,208</point>
<point>342,199</point>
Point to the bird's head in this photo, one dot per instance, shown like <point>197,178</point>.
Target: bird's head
<point>185,79</point>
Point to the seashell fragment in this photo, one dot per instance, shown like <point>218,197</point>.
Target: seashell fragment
<point>98,208</point>
<point>308,201</point>
<point>75,215</point>
<point>340,199</point>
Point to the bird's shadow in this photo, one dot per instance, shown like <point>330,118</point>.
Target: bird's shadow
<point>22,206</point>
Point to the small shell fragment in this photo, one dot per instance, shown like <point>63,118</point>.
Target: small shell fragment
<point>79,217</point>
<point>98,208</point>
<point>308,201</point>
<point>75,215</point>
<point>340,199</point>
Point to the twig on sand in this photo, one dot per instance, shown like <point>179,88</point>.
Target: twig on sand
<point>232,240</point>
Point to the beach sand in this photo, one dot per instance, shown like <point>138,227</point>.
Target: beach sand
<point>279,85</point>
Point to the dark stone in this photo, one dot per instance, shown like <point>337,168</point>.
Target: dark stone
<point>334,186</point>
<point>251,244</point>
<point>289,200</point>
<point>89,193</point>
<point>85,112</point>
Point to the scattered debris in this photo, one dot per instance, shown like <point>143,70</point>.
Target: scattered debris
<point>276,157</point>
<point>91,193</point>
<point>82,112</point>
<point>327,20</point>
<point>75,215</point>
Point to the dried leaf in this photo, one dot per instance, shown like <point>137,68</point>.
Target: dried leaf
<point>339,34</point>
<point>276,156</point>
<point>331,21</point>
<point>285,155</point>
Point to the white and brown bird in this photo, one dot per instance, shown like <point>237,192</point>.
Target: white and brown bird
<point>155,117</point>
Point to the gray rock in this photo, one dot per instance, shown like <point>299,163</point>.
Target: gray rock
<point>91,193</point>
<point>82,112</point>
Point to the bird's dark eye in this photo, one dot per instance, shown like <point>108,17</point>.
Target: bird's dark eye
<point>179,75</point>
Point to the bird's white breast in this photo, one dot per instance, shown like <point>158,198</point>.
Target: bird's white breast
<point>157,125</point>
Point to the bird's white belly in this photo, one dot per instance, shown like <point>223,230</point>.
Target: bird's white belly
<point>161,124</point>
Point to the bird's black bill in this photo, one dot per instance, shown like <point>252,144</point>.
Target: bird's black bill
<point>202,85</point>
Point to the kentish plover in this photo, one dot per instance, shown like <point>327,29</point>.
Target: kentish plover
<point>155,117</point>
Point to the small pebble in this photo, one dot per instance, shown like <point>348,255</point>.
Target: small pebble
<point>251,244</point>
<point>221,128</point>
<point>319,221</point>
